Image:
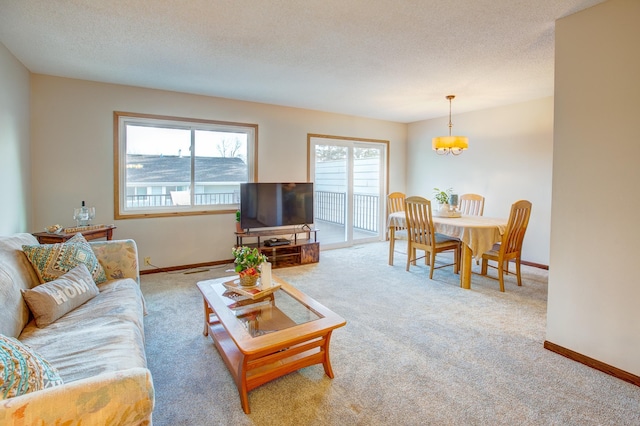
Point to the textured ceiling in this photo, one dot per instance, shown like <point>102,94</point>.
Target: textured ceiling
<point>388,59</point>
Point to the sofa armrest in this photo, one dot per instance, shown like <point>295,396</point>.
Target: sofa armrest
<point>119,258</point>
<point>119,398</point>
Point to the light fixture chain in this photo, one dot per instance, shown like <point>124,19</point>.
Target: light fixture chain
<point>450,124</point>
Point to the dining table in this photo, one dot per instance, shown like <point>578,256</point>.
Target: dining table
<point>478,234</point>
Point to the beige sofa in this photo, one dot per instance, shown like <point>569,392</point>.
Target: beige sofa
<point>98,348</point>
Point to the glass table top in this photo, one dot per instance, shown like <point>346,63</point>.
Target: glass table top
<point>273,312</point>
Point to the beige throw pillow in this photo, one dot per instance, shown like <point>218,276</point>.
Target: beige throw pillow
<point>51,300</point>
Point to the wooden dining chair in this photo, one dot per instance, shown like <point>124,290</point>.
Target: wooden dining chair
<point>395,228</point>
<point>471,204</point>
<point>421,236</point>
<point>510,248</point>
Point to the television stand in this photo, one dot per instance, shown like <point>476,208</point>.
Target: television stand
<point>302,250</point>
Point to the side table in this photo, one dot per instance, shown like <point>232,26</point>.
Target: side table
<point>90,233</point>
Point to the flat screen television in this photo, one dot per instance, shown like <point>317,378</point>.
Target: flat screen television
<point>266,204</point>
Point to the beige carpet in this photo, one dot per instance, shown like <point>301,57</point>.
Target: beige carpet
<point>414,351</point>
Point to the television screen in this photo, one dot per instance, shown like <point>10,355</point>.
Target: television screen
<point>265,204</point>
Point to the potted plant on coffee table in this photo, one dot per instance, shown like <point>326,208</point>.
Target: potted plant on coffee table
<point>248,261</point>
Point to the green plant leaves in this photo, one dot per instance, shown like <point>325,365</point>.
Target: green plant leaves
<point>442,196</point>
<point>246,258</point>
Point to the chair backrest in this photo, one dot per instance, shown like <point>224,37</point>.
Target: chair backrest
<point>516,227</point>
<point>395,202</point>
<point>471,204</point>
<point>419,220</point>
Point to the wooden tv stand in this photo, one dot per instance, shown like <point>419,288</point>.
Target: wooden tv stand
<point>299,252</point>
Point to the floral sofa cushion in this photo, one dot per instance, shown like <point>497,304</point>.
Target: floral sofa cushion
<point>124,398</point>
<point>118,261</point>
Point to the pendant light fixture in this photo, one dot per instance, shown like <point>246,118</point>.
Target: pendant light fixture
<point>444,145</point>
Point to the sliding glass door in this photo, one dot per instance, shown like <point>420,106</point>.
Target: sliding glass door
<point>349,178</point>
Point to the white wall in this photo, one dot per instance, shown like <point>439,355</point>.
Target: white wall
<point>72,157</point>
<point>15,208</point>
<point>509,159</point>
<point>594,287</point>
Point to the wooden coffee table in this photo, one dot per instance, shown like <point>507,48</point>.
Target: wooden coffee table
<point>263,339</point>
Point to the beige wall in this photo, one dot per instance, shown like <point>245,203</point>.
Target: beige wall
<point>72,157</point>
<point>15,208</point>
<point>594,288</point>
<point>509,159</point>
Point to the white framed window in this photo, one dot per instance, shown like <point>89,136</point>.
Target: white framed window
<point>168,166</point>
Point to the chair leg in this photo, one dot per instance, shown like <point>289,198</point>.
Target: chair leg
<point>433,263</point>
<point>485,264</point>
<point>518,271</point>
<point>392,245</point>
<point>501,275</point>
<point>411,255</point>
<point>391,249</point>
<point>457,256</point>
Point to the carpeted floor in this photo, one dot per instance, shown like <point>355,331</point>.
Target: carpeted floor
<point>414,351</point>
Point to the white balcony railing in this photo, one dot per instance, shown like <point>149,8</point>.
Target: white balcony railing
<point>328,206</point>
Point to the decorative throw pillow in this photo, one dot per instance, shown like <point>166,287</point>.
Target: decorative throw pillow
<point>51,300</point>
<point>54,260</point>
<point>22,370</point>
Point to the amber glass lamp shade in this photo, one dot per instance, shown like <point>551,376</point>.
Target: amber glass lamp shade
<point>443,145</point>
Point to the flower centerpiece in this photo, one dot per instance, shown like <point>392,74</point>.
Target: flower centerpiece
<point>248,261</point>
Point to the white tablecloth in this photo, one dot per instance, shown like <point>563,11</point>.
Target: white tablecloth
<point>479,233</point>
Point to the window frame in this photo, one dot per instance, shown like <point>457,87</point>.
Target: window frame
<point>119,163</point>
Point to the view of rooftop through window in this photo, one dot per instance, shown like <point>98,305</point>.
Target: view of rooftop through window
<point>171,165</point>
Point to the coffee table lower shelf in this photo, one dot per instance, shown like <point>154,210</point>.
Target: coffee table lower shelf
<point>252,370</point>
